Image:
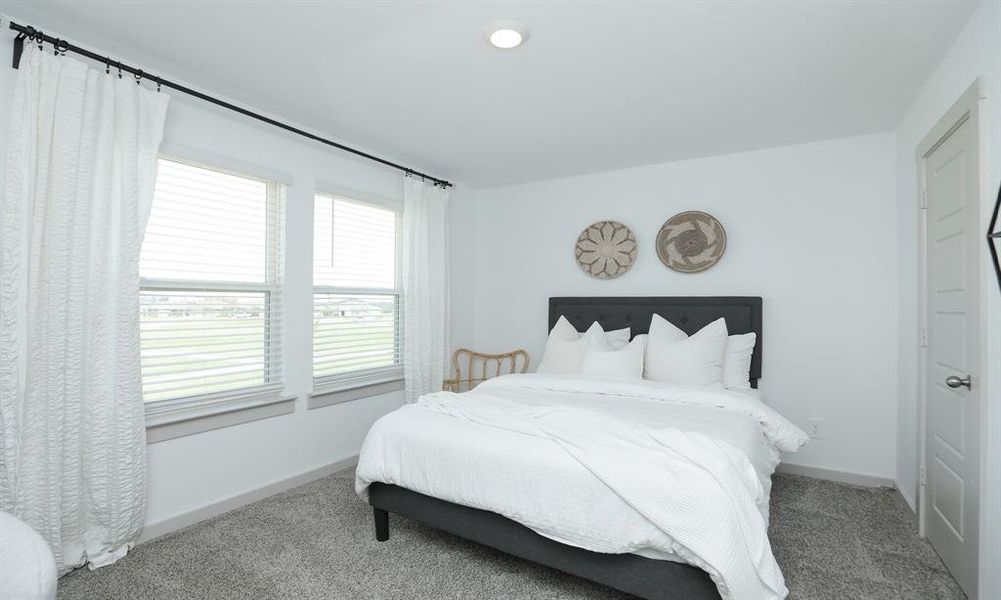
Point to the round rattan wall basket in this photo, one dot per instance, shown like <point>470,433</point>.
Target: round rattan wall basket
<point>691,242</point>
<point>605,250</point>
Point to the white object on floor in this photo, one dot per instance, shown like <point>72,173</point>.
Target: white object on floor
<point>533,481</point>
<point>27,567</point>
<point>80,171</point>
<point>425,286</point>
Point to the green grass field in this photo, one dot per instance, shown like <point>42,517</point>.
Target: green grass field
<point>185,356</point>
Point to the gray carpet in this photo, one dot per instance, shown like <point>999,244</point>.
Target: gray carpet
<point>316,541</point>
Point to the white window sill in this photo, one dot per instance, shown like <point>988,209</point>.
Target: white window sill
<point>169,419</point>
<point>355,387</point>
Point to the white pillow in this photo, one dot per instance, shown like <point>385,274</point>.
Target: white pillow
<point>563,331</point>
<point>737,361</point>
<point>616,338</point>
<point>674,357</point>
<point>625,363</point>
<point>564,355</point>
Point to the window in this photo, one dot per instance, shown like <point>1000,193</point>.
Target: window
<point>356,293</point>
<point>210,298</point>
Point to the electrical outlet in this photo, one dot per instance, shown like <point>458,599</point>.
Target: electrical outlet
<point>816,429</point>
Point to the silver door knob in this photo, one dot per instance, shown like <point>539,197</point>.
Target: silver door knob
<point>955,382</point>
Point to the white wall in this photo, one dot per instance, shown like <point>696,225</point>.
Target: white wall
<point>811,228</point>
<point>195,471</point>
<point>976,53</point>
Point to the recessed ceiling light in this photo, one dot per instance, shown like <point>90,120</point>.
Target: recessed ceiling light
<point>507,35</point>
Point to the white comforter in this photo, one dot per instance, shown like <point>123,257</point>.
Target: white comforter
<point>611,466</point>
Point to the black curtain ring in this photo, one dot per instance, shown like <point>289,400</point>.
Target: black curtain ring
<point>119,69</point>
<point>34,35</point>
<point>107,66</point>
<point>61,47</point>
<point>158,84</point>
<point>40,39</point>
<point>139,76</point>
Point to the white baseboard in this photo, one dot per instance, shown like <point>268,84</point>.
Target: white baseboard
<point>908,498</point>
<point>155,530</point>
<point>833,475</point>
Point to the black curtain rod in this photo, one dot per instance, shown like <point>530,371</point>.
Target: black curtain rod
<point>61,46</point>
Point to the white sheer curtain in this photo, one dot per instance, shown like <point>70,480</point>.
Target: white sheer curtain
<point>425,286</point>
<point>80,170</point>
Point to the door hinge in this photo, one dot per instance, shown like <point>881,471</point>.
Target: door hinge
<point>924,337</point>
<point>923,202</point>
<point>922,476</point>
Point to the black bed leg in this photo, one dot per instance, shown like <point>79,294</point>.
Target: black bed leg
<point>381,524</point>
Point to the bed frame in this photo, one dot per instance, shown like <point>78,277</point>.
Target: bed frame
<point>630,573</point>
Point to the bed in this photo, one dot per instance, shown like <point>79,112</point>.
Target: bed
<point>483,465</point>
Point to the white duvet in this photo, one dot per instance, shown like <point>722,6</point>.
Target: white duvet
<point>612,466</point>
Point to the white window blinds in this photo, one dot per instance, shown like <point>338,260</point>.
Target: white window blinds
<point>211,302</point>
<point>356,298</point>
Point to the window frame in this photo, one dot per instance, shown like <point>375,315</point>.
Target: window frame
<point>360,383</point>
<point>172,411</point>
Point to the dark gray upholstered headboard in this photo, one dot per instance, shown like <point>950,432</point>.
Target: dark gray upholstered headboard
<point>742,314</point>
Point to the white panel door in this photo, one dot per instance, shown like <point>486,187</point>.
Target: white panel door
<point>952,241</point>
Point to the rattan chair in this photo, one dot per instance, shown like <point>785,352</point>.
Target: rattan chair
<point>472,368</point>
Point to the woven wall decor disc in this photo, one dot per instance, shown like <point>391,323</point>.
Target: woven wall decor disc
<point>605,249</point>
<point>691,241</point>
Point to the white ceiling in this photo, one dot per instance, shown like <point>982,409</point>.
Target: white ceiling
<point>598,86</point>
